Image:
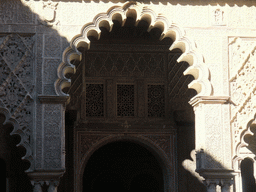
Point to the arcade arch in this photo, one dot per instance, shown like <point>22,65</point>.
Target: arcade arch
<point>95,56</point>
<point>138,12</point>
<point>125,164</point>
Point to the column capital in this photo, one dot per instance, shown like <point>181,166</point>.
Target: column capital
<point>37,185</point>
<point>53,184</point>
<point>225,184</point>
<point>211,184</point>
<point>45,176</point>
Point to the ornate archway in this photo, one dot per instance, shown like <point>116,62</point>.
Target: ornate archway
<point>197,67</point>
<point>107,86</point>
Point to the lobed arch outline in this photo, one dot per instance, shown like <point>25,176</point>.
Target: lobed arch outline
<point>246,132</point>
<point>149,145</point>
<point>18,131</point>
<point>237,168</point>
<point>197,67</point>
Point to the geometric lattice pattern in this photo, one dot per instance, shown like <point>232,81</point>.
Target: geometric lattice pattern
<point>104,64</point>
<point>156,101</point>
<point>125,100</point>
<point>94,100</point>
<point>16,81</point>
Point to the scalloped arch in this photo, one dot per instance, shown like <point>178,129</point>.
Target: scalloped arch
<point>18,131</point>
<point>246,132</point>
<point>197,67</point>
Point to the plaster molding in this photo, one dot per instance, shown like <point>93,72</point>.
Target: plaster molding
<point>197,67</point>
<point>53,99</point>
<point>209,100</point>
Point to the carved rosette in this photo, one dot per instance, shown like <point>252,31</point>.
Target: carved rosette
<point>16,86</point>
<point>197,67</point>
<point>242,88</point>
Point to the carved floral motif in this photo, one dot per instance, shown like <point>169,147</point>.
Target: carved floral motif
<point>48,16</point>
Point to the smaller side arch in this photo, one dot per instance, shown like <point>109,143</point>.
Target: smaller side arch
<point>245,133</point>
<point>167,166</point>
<point>237,163</point>
<point>242,152</point>
<point>17,130</point>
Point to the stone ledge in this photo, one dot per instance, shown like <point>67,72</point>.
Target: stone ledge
<point>53,99</point>
<point>46,175</point>
<point>209,100</point>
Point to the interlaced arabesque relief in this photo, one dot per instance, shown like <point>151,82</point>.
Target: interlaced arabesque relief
<point>242,85</point>
<point>125,64</point>
<point>125,100</point>
<point>156,101</point>
<point>144,73</point>
<point>94,100</point>
<point>16,84</point>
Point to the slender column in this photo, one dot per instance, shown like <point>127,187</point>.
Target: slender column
<point>37,186</point>
<point>211,184</point>
<point>226,184</point>
<point>52,186</point>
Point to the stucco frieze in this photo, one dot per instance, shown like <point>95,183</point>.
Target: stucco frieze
<point>242,86</point>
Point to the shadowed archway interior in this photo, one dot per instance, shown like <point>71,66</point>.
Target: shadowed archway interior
<point>123,166</point>
<point>12,168</point>
<point>248,179</point>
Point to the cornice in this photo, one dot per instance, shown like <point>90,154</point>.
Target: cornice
<point>209,100</point>
<point>53,99</point>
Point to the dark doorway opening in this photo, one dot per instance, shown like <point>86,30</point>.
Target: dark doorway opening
<point>123,166</point>
<point>3,175</point>
<point>248,179</point>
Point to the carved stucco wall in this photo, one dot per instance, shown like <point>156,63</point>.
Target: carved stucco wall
<point>242,79</point>
<point>34,35</point>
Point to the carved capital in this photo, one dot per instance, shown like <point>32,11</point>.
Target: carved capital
<point>211,184</point>
<point>37,185</point>
<point>53,184</point>
<point>225,184</point>
<point>50,178</point>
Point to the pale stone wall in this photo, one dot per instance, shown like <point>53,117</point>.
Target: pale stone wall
<point>224,34</point>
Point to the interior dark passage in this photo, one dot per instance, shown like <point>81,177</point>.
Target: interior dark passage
<point>3,175</point>
<point>248,179</point>
<point>12,168</point>
<point>123,166</point>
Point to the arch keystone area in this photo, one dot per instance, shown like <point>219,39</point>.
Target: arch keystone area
<point>197,67</point>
